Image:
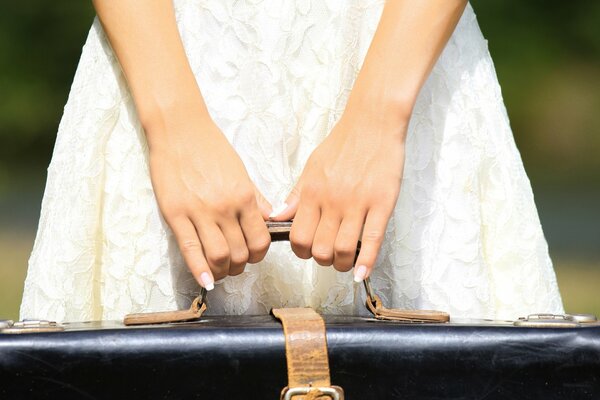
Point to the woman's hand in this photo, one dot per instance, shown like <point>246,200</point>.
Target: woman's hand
<point>351,179</point>
<point>202,187</point>
<point>206,196</point>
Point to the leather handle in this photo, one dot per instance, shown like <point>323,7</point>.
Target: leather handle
<point>281,231</point>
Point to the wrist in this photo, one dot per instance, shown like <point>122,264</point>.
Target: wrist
<point>165,120</point>
<point>378,113</point>
<point>157,109</point>
<point>380,96</point>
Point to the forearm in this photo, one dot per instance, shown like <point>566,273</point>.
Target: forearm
<point>146,41</point>
<point>407,42</point>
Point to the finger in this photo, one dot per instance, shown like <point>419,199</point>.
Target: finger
<point>344,248</point>
<point>303,229</point>
<point>238,251</point>
<point>287,210</point>
<point>372,238</point>
<point>256,234</point>
<point>325,235</point>
<point>191,249</point>
<point>216,248</point>
<point>264,206</point>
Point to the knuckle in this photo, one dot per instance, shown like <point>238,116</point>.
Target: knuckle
<point>219,256</point>
<point>310,190</point>
<point>190,245</point>
<point>339,197</point>
<point>300,242</point>
<point>322,255</point>
<point>239,257</point>
<point>246,197</point>
<point>233,271</point>
<point>373,235</point>
<point>257,249</point>
<point>172,215</point>
<point>344,249</point>
<point>261,244</point>
<point>301,248</point>
<point>221,207</point>
<point>323,263</point>
<point>220,273</point>
<point>301,252</point>
<point>342,266</point>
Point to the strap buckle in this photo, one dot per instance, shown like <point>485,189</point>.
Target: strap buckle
<point>333,392</point>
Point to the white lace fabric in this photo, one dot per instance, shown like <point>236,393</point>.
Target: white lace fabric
<point>465,236</point>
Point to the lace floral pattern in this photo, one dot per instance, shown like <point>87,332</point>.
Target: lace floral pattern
<point>465,236</point>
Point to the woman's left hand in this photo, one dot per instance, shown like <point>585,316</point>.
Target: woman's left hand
<point>352,179</point>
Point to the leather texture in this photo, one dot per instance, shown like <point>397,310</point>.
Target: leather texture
<point>241,357</point>
<point>194,312</point>
<point>305,350</point>
<point>375,305</point>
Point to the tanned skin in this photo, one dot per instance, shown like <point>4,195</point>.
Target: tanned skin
<point>333,209</point>
<point>207,197</point>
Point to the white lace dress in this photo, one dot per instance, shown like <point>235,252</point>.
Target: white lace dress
<point>465,236</point>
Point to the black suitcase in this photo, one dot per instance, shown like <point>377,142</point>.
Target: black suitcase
<point>244,357</point>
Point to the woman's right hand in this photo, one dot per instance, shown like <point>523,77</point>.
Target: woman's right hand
<point>205,195</point>
<point>203,190</point>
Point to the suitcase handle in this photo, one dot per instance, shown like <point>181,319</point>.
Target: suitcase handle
<point>280,231</point>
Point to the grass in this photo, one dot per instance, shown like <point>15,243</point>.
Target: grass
<point>578,280</point>
<point>14,252</point>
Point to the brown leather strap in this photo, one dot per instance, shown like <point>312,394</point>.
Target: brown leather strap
<point>306,353</point>
<point>194,312</point>
<point>375,305</point>
<point>411,316</point>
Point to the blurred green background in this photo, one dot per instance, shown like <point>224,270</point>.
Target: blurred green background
<point>546,53</point>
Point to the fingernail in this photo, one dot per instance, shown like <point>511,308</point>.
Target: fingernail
<point>207,281</point>
<point>360,273</point>
<point>278,210</point>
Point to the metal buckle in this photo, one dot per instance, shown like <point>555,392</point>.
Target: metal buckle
<point>368,288</point>
<point>202,295</point>
<point>335,392</point>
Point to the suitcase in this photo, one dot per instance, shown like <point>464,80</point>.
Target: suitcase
<point>396,354</point>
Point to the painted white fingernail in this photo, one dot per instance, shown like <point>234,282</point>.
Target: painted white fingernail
<point>207,281</point>
<point>278,210</point>
<point>360,273</point>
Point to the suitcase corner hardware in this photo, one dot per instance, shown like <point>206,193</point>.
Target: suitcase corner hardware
<point>547,321</point>
<point>583,318</point>
<point>6,323</point>
<point>29,326</point>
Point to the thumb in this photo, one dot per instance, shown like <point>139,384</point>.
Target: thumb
<point>287,210</point>
<point>264,206</point>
